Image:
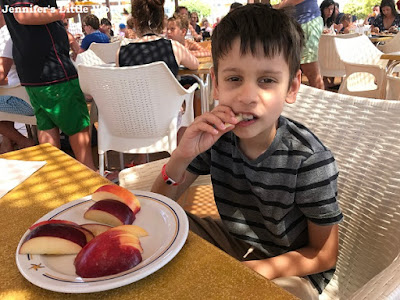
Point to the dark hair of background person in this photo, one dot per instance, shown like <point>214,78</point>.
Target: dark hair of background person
<point>326,3</point>
<point>105,21</point>
<point>391,4</point>
<point>148,15</point>
<point>257,23</point>
<point>235,5</point>
<point>92,20</point>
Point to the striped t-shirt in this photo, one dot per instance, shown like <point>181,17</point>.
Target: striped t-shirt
<point>267,201</point>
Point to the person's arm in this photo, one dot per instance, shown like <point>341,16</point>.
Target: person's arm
<point>46,16</point>
<point>198,137</point>
<point>197,37</point>
<point>196,49</point>
<point>73,44</point>
<point>5,66</point>
<point>319,255</point>
<point>183,56</point>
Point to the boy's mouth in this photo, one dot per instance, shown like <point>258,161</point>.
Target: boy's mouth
<point>245,117</point>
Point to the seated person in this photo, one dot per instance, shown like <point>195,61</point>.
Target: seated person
<point>10,104</point>
<point>177,29</point>
<point>73,44</point>
<point>105,27</point>
<point>91,26</point>
<point>275,183</point>
<point>370,19</point>
<point>347,22</point>
<point>389,19</point>
<point>206,29</point>
<point>130,33</point>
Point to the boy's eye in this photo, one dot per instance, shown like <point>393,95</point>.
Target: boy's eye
<point>233,78</point>
<point>267,80</point>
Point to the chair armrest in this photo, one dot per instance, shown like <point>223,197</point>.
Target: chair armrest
<point>192,88</point>
<point>16,91</point>
<point>385,285</point>
<point>376,70</point>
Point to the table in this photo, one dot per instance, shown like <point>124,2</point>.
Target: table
<point>200,270</point>
<point>204,69</point>
<point>394,60</point>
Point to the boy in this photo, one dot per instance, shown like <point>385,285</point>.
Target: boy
<point>177,29</point>
<point>91,25</point>
<point>274,182</point>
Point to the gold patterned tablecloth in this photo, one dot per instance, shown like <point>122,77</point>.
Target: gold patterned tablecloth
<point>199,271</point>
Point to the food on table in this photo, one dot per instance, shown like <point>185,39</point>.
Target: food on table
<point>51,221</point>
<point>95,228</point>
<point>115,192</point>
<point>111,212</point>
<point>133,229</point>
<point>111,252</point>
<point>54,238</point>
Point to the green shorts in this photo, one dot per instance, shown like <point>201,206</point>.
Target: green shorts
<point>60,105</point>
<point>312,33</point>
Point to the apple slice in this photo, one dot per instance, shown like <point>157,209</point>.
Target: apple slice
<point>96,229</point>
<point>132,229</point>
<point>51,221</point>
<point>115,192</point>
<point>111,212</point>
<point>53,238</point>
<point>109,253</point>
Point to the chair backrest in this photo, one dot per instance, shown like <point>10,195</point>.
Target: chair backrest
<point>392,45</point>
<point>363,135</point>
<point>106,51</point>
<point>358,49</point>
<point>137,105</point>
<point>88,58</point>
<point>328,58</point>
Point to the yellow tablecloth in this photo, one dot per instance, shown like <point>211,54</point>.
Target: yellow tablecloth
<point>199,271</point>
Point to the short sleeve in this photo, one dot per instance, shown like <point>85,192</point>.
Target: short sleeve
<point>316,189</point>
<point>7,51</point>
<point>201,164</point>
<point>85,43</point>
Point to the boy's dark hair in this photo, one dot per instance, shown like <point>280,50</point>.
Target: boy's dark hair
<point>148,15</point>
<point>105,21</point>
<point>277,32</point>
<point>235,5</point>
<point>180,20</point>
<point>93,21</point>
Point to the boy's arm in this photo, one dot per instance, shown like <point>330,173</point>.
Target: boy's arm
<point>183,56</point>
<point>5,66</point>
<point>319,255</point>
<point>198,137</point>
<point>40,16</point>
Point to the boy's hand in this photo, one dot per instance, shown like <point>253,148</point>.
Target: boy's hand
<point>205,131</point>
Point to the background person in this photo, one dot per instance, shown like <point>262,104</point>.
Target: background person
<point>91,25</point>
<point>194,19</point>
<point>328,14</point>
<point>191,31</point>
<point>41,55</point>
<point>389,19</point>
<point>370,19</point>
<point>308,15</point>
<point>348,25</point>
<point>105,27</point>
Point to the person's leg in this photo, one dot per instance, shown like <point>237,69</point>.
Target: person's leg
<point>81,145</point>
<point>51,136</point>
<point>7,130</point>
<point>311,70</point>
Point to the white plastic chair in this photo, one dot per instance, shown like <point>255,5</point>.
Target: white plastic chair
<point>88,58</point>
<point>365,71</point>
<point>393,87</point>
<point>107,52</point>
<point>138,107</point>
<point>328,58</point>
<point>363,135</point>
<point>392,45</point>
<point>20,92</point>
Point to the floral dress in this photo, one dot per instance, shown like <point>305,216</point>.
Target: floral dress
<point>379,23</point>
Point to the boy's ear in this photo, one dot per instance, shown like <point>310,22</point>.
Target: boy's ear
<point>214,84</point>
<point>294,88</point>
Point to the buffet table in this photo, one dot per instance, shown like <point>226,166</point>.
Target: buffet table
<point>198,271</point>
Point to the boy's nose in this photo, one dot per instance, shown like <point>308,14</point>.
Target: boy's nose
<point>248,94</point>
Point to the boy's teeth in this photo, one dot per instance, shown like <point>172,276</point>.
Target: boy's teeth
<point>247,117</point>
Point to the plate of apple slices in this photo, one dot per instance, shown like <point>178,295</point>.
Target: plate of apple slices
<point>161,228</point>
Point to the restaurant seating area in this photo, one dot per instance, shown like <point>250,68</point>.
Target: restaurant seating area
<point>360,124</point>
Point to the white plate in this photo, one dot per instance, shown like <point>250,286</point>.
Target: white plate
<point>165,221</point>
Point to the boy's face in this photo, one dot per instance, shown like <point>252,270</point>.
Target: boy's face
<point>174,32</point>
<point>256,86</point>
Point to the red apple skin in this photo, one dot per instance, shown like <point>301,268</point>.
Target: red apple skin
<point>107,254</point>
<point>56,230</point>
<point>119,210</point>
<point>51,221</point>
<point>115,192</point>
